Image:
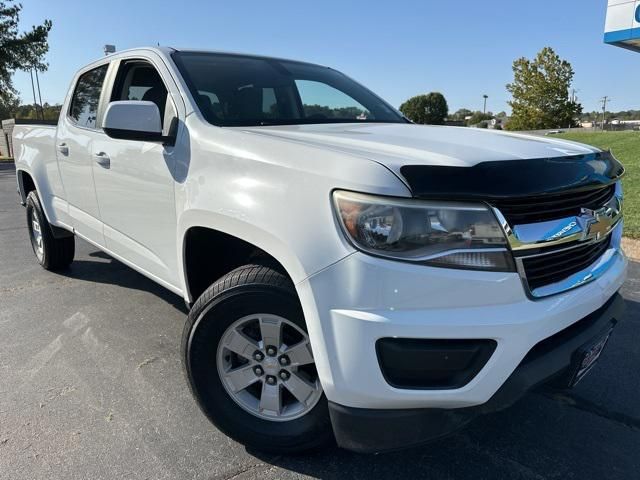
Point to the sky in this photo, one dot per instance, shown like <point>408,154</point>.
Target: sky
<point>462,48</point>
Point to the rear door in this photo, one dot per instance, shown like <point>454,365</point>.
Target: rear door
<point>77,128</point>
<point>135,184</point>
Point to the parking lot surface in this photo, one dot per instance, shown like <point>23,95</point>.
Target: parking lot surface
<point>91,387</point>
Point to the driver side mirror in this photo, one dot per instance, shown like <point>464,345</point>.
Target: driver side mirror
<point>134,120</point>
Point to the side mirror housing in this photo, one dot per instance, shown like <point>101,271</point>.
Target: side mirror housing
<point>134,120</point>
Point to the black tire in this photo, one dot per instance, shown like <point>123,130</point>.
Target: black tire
<point>56,253</point>
<point>248,290</point>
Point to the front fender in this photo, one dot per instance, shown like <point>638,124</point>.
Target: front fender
<point>248,232</point>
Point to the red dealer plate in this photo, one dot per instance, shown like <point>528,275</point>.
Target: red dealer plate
<point>587,356</point>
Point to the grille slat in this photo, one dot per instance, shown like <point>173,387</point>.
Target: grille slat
<point>560,257</point>
<point>552,267</point>
<point>519,211</point>
<point>566,271</point>
<point>599,195</point>
<point>562,266</point>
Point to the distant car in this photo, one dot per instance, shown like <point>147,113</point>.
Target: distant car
<point>554,132</point>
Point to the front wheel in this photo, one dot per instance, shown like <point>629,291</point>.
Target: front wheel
<point>249,363</point>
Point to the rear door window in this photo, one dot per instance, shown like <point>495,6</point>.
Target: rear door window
<point>83,110</point>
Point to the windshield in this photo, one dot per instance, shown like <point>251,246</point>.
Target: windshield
<point>237,90</point>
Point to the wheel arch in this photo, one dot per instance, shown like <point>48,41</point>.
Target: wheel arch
<point>208,252</point>
<point>26,184</point>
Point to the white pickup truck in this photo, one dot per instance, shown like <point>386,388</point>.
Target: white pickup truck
<point>350,275</point>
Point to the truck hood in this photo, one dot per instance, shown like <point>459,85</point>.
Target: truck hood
<point>396,145</point>
<point>462,163</point>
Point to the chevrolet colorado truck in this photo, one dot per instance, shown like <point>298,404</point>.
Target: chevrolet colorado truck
<point>349,275</point>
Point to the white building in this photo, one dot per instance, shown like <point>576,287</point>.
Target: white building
<point>622,27</point>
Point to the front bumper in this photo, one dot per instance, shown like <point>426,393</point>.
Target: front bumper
<point>376,430</point>
<point>353,303</point>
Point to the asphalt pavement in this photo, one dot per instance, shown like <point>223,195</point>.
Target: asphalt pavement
<point>91,387</point>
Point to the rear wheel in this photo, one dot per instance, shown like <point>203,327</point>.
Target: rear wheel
<point>250,366</point>
<point>52,253</point>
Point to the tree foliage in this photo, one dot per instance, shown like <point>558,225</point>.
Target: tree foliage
<point>540,91</point>
<point>621,115</point>
<point>35,112</point>
<point>479,117</point>
<point>461,114</point>
<point>19,51</point>
<point>429,109</point>
<point>323,111</point>
<point>9,107</point>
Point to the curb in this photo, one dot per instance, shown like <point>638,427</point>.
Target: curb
<point>631,248</point>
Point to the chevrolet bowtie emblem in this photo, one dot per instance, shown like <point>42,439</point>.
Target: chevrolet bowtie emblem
<point>596,222</point>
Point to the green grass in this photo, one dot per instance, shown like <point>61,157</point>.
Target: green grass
<point>626,148</point>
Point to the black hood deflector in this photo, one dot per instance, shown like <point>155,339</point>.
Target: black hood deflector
<point>513,178</point>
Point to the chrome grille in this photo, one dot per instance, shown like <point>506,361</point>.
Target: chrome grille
<point>552,206</point>
<point>555,266</point>
<point>555,254</point>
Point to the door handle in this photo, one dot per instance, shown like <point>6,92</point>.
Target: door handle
<point>63,148</point>
<point>102,159</point>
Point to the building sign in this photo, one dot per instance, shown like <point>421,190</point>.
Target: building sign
<point>622,27</point>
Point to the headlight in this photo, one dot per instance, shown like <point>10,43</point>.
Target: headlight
<point>444,234</point>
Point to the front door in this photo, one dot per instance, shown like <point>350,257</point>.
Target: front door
<point>135,184</point>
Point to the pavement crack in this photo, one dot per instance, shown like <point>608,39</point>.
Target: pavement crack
<point>585,405</point>
<point>147,361</point>
<point>242,469</point>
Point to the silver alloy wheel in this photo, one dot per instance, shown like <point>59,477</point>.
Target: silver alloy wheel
<point>36,236</point>
<point>266,366</point>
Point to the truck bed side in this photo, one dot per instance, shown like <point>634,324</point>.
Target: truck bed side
<point>34,149</point>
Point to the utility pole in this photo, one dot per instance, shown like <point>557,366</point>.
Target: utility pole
<point>39,94</point>
<point>604,101</point>
<point>574,98</point>
<point>33,87</point>
<point>485,96</point>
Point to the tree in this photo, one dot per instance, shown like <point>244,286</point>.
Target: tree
<point>540,91</point>
<point>429,109</point>
<point>461,114</point>
<point>323,111</point>
<point>8,107</point>
<point>34,112</point>
<point>19,51</point>
<point>479,117</point>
